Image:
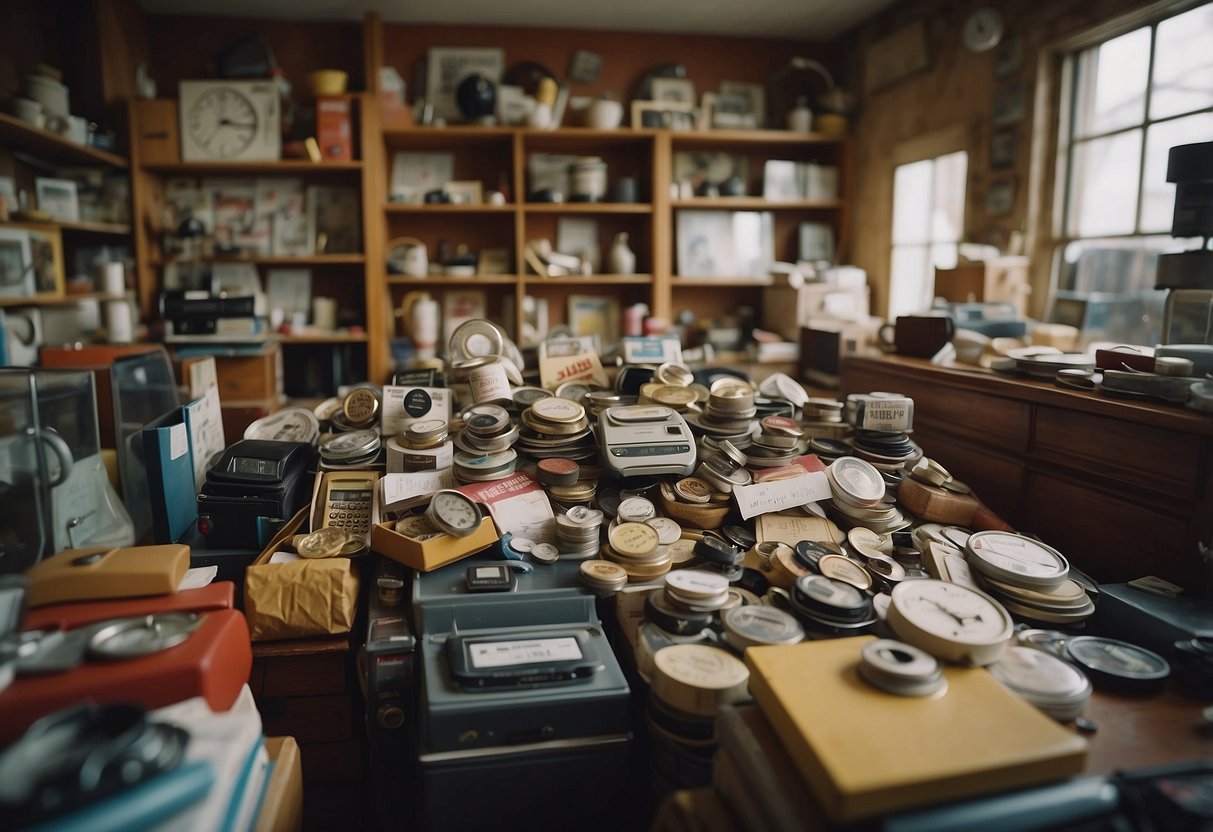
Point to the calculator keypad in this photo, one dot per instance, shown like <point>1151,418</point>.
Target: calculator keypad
<point>351,515</point>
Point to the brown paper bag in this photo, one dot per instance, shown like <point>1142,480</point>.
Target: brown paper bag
<point>299,599</point>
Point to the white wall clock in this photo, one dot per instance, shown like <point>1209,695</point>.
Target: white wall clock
<point>230,121</point>
<point>983,30</point>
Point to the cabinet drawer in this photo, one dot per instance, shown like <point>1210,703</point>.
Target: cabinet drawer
<point>1110,538</point>
<point>306,675</point>
<point>1164,461</point>
<point>990,420</point>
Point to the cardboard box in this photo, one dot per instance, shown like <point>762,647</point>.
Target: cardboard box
<point>428,555</point>
<point>282,805</point>
<point>254,377</point>
<point>1002,280</point>
<point>239,415</point>
<point>335,128</point>
<point>785,309</point>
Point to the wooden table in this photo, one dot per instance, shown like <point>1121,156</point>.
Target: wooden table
<point>1139,732</point>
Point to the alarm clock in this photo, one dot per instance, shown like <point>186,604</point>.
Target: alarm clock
<point>230,121</point>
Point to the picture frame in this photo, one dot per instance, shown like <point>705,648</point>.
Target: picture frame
<point>1010,104</point>
<point>732,111</point>
<point>673,89</point>
<point>16,261</point>
<point>58,197</point>
<point>1008,57</point>
<point>416,174</point>
<point>578,236</point>
<point>585,66</point>
<point>514,106</point>
<point>464,192</point>
<point>755,96</point>
<point>334,220</point>
<point>494,261</point>
<point>727,244</point>
<point>663,115</point>
<point>8,197</point>
<point>702,173</point>
<point>1000,198</point>
<point>446,67</point>
<point>46,255</point>
<point>1003,149</point>
<point>595,315</point>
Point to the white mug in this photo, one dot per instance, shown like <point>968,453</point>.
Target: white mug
<point>324,313</point>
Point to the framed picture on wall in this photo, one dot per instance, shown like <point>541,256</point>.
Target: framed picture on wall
<point>1010,103</point>
<point>58,198</point>
<point>1000,198</point>
<point>447,66</point>
<point>16,268</point>
<point>667,115</point>
<point>673,89</point>
<point>46,257</point>
<point>1002,149</point>
<point>595,315</point>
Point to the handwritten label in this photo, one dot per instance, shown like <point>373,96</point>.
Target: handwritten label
<point>778,495</point>
<point>888,415</point>
<point>586,366</point>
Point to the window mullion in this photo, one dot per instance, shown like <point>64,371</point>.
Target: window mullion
<point>1141,164</point>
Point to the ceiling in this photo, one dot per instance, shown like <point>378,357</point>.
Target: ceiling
<point>812,20</point>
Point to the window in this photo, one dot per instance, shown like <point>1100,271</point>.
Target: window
<point>1132,98</point>
<point>928,221</point>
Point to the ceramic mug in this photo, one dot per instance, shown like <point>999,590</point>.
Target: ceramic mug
<point>918,335</point>
<point>605,114</point>
<point>29,111</point>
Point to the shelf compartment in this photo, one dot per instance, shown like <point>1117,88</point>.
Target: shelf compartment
<point>719,282</point>
<point>446,208</point>
<point>443,138</point>
<point>588,208</point>
<point>450,280</point>
<point>756,203</point>
<point>274,260</point>
<point>61,300</point>
<point>283,167</point>
<point>78,226</point>
<point>15,134</point>
<point>322,338</point>
<point>589,281</point>
<point>682,140</point>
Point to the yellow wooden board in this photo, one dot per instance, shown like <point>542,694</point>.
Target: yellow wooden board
<point>864,752</point>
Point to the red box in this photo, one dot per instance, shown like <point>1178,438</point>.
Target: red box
<point>335,127</point>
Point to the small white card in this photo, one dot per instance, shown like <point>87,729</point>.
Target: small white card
<point>586,366</point>
<point>401,491</point>
<point>404,405</point>
<point>778,495</point>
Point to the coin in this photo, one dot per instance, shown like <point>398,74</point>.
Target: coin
<point>545,553</point>
<point>361,406</point>
<point>325,542</point>
<point>693,490</point>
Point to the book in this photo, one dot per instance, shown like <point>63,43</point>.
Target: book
<point>170,476</point>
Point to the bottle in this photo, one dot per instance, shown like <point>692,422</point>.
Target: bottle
<point>800,117</point>
<point>623,259</point>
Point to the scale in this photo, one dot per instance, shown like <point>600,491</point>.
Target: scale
<point>519,689</point>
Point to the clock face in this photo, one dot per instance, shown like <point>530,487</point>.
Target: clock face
<point>223,122</point>
<point>454,512</point>
<point>950,621</point>
<point>983,30</point>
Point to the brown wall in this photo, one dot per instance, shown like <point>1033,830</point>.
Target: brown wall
<point>956,92</point>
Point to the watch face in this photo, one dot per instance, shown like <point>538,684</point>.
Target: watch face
<point>223,122</point>
<point>951,612</point>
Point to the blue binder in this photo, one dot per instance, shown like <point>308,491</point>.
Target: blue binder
<point>170,476</point>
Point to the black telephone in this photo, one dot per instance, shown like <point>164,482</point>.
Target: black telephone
<point>254,488</point>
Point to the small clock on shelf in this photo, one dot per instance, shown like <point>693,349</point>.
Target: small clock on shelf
<point>230,121</point>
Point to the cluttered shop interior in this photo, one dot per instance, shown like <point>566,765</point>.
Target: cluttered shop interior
<point>673,417</point>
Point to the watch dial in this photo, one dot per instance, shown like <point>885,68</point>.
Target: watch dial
<point>950,611</point>
<point>223,122</point>
<point>456,510</point>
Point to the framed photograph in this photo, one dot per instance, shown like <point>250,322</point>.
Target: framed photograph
<point>46,256</point>
<point>1000,198</point>
<point>334,220</point>
<point>780,182</point>
<point>464,192</point>
<point>816,241</point>
<point>416,174</point>
<point>1010,103</point>
<point>447,66</point>
<point>1002,149</point>
<point>8,197</point>
<point>725,243</point>
<point>585,66</point>
<point>731,111</point>
<point>1008,57</point>
<point>595,315</point>
<point>673,89</point>
<point>514,106</point>
<point>578,236</point>
<point>58,198</point>
<point>16,263</point>
<point>896,56</point>
<point>494,261</point>
<point>666,115</point>
<point>754,95</point>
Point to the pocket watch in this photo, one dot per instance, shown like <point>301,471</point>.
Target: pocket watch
<point>950,621</point>
<point>454,513</point>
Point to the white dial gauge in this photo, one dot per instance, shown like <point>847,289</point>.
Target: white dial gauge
<point>950,621</point>
<point>1017,560</point>
<point>223,122</point>
<point>453,512</point>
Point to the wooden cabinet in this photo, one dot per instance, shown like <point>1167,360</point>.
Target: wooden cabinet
<point>1122,488</point>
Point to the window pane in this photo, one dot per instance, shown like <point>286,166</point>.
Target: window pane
<point>947,218</point>
<point>1104,185</point>
<point>1158,199</point>
<point>1183,64</point>
<point>943,256</point>
<point>911,281</point>
<point>912,202</point>
<point>1112,84</point>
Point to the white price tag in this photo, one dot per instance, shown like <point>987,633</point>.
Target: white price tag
<point>886,415</point>
<point>777,495</point>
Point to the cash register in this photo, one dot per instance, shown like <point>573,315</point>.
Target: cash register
<point>524,716</point>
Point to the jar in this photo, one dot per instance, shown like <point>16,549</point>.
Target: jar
<point>588,179</point>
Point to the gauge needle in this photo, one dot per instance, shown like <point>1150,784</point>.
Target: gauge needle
<point>959,620</point>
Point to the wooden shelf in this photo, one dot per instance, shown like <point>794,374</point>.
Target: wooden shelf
<point>116,229</point>
<point>751,138</point>
<point>756,203</point>
<point>64,300</point>
<point>450,280</point>
<point>589,208</point>
<point>719,282</point>
<point>443,137</point>
<point>276,260</point>
<point>15,134</point>
<point>447,208</point>
<point>322,338</point>
<point>284,166</point>
<point>589,280</point>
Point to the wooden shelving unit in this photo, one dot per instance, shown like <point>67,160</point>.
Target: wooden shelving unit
<point>283,167</point>
<point>17,135</point>
<point>65,300</point>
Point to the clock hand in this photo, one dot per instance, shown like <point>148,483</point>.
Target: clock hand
<point>944,609</point>
<point>227,122</point>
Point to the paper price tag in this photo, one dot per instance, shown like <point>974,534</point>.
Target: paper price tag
<point>887,415</point>
<point>586,366</point>
<point>778,495</point>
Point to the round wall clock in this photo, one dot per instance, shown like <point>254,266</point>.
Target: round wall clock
<point>229,121</point>
<point>983,30</point>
